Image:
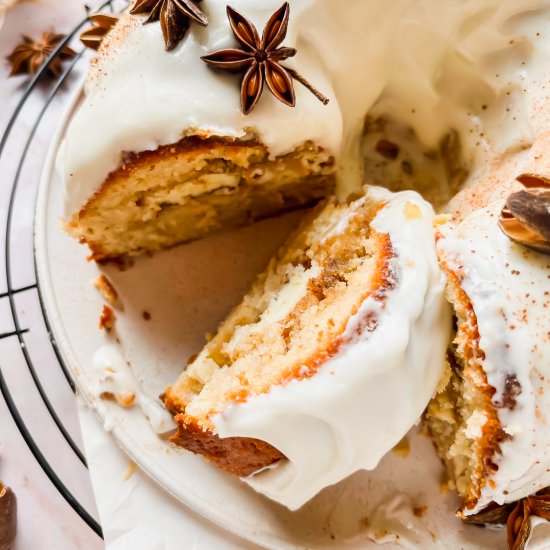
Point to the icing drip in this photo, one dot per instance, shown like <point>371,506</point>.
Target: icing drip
<point>115,378</point>
<point>394,521</point>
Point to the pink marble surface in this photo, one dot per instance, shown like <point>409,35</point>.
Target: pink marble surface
<point>45,519</point>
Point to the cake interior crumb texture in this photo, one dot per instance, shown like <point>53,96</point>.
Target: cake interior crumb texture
<point>293,318</point>
<point>462,419</point>
<point>177,193</point>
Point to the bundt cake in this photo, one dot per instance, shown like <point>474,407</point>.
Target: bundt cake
<point>348,325</point>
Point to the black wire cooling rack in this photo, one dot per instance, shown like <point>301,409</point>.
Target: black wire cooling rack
<point>25,324</point>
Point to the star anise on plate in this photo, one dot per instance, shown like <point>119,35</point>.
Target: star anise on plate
<point>260,60</point>
<point>174,15</point>
<point>30,55</point>
<point>516,516</point>
<point>526,215</point>
<point>102,24</point>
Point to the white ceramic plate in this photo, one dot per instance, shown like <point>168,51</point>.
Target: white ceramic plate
<point>187,291</point>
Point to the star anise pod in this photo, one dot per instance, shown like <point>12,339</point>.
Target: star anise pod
<point>526,216</point>
<point>30,55</point>
<point>494,514</point>
<point>102,24</point>
<point>174,16</point>
<point>260,60</point>
<point>518,526</point>
<point>516,517</point>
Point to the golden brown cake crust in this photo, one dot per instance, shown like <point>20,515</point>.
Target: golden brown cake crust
<point>241,456</point>
<point>488,445</point>
<point>246,155</point>
<point>132,161</point>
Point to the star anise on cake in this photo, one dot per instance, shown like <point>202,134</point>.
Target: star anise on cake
<point>260,60</point>
<point>102,24</point>
<point>526,216</point>
<point>516,516</point>
<point>175,17</point>
<point>31,54</point>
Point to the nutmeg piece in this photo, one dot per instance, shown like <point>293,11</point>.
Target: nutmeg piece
<point>8,517</point>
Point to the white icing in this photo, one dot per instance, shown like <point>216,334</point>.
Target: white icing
<point>431,65</point>
<point>114,376</point>
<point>364,399</point>
<point>509,288</point>
<point>394,521</point>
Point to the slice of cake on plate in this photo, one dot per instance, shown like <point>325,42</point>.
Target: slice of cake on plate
<point>331,356</point>
<point>490,424</point>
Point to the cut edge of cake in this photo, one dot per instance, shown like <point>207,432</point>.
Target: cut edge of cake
<point>199,185</point>
<point>334,263</point>
<point>461,419</point>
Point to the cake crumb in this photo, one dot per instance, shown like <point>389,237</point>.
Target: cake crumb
<point>107,290</point>
<point>441,219</point>
<point>130,471</point>
<point>107,319</point>
<point>125,400</point>
<point>411,211</point>
<point>403,448</point>
<point>420,511</point>
<point>446,486</point>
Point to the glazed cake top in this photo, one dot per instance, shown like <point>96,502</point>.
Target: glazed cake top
<point>433,66</point>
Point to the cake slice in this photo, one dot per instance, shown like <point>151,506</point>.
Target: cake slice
<point>490,424</point>
<point>331,356</point>
<point>177,193</point>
